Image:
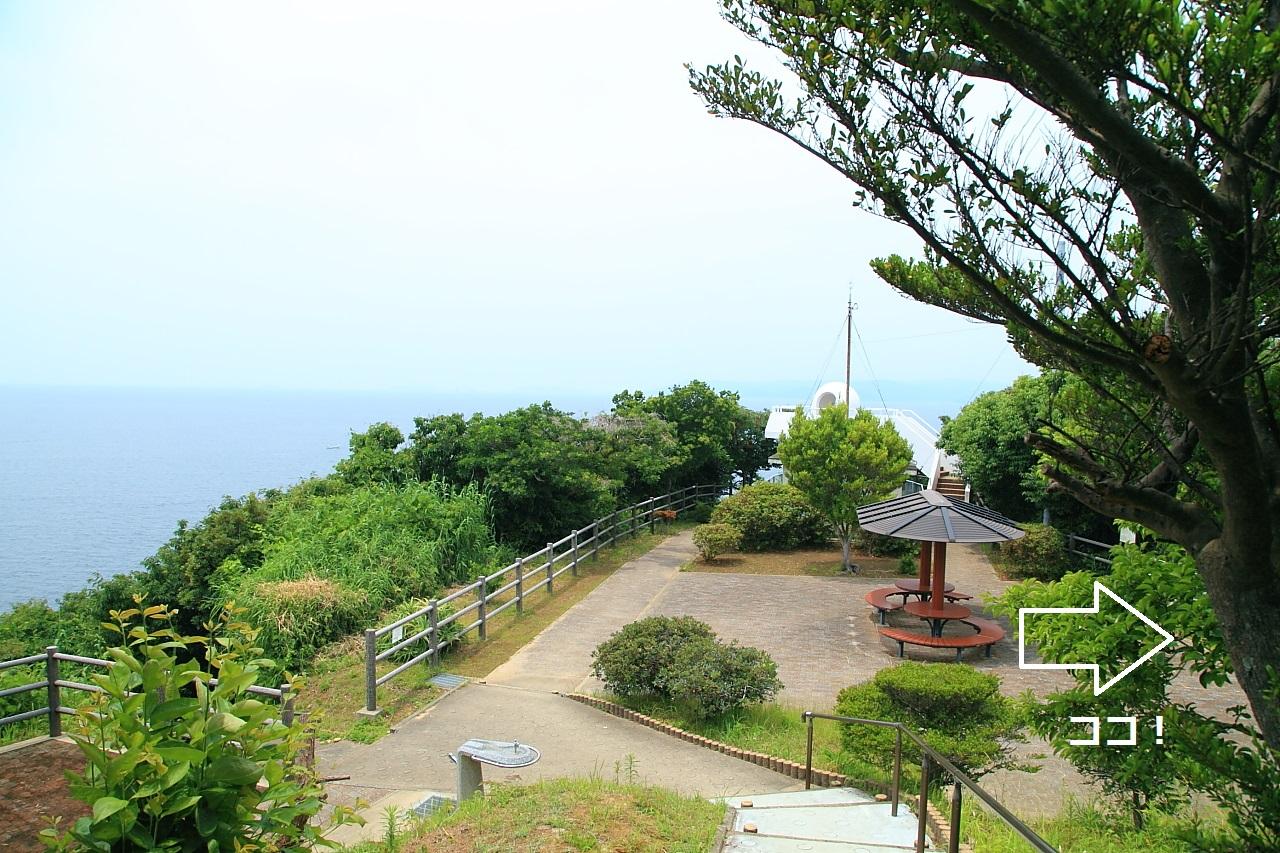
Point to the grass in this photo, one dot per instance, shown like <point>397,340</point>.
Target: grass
<point>1080,828</point>
<point>566,815</point>
<point>811,562</point>
<point>334,685</point>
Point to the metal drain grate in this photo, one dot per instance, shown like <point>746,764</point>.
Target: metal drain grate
<point>432,804</point>
<point>448,680</point>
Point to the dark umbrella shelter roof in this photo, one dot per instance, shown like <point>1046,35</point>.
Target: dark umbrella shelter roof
<point>931,516</point>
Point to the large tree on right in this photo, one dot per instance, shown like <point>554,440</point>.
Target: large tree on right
<point>1101,179</point>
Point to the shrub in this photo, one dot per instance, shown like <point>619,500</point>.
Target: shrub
<point>634,661</point>
<point>699,513</point>
<point>773,516</point>
<point>1041,554</point>
<point>448,635</point>
<point>711,678</point>
<point>959,711</point>
<point>712,540</point>
<point>176,763</point>
<point>298,618</point>
<point>878,545</point>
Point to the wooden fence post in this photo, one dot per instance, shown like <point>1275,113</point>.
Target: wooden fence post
<point>551,556</point>
<point>482,592</point>
<point>371,671</point>
<point>519,585</point>
<point>573,567</point>
<point>52,674</point>
<point>433,621</point>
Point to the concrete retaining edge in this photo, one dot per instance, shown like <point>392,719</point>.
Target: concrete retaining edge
<point>938,823</point>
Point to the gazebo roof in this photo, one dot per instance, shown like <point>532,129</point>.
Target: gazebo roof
<point>931,516</point>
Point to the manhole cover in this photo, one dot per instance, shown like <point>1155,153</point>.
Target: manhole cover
<point>448,680</point>
<point>432,804</point>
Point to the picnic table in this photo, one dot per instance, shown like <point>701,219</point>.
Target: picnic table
<point>938,614</point>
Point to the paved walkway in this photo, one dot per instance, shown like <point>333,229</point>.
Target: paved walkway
<point>818,630</point>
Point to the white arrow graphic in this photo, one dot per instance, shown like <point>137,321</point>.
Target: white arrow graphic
<point>1098,687</point>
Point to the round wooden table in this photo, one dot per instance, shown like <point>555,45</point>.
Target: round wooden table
<point>937,616</point>
<point>912,586</point>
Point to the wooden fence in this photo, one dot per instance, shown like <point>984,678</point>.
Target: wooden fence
<point>53,684</point>
<point>1090,552</point>
<point>526,575</point>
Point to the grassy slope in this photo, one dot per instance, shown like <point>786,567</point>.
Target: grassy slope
<point>565,815</point>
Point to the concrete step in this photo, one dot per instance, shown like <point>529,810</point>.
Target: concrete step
<point>831,820</point>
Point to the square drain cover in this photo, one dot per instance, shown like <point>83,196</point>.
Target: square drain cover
<point>432,804</point>
<point>448,680</point>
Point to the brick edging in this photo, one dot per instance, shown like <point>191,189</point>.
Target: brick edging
<point>939,824</point>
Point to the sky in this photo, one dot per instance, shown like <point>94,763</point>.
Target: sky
<point>387,196</point>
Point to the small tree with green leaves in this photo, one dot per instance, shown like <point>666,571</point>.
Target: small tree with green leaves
<point>841,463</point>
<point>177,762</point>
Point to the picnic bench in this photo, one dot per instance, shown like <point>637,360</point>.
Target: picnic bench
<point>879,599</point>
<point>987,633</point>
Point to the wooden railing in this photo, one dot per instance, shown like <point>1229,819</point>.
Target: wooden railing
<point>1090,551</point>
<point>53,684</point>
<point>516,581</point>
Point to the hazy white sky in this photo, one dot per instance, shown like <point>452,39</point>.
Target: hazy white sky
<point>420,195</point>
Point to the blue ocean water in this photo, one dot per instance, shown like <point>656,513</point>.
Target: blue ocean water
<point>94,480</point>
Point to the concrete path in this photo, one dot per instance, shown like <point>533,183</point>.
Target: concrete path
<point>560,657</point>
<point>575,740</point>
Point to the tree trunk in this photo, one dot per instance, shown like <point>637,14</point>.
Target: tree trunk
<point>845,540</point>
<point>1245,596</point>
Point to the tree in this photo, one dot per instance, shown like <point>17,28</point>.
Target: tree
<point>841,463</point>
<point>1102,179</point>
<point>539,466</point>
<point>374,457</point>
<point>717,435</point>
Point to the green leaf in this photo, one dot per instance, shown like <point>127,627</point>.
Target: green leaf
<point>105,807</point>
<point>233,770</point>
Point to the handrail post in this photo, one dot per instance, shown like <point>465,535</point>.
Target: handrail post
<point>371,671</point>
<point>573,567</point>
<point>953,843</point>
<point>482,593</point>
<point>595,541</point>
<point>922,809</point>
<point>551,555</point>
<point>652,514</point>
<point>808,751</point>
<point>519,585</point>
<point>286,705</point>
<point>52,674</point>
<point>433,621</point>
<point>895,790</point>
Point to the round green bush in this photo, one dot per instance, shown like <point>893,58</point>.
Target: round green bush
<point>712,540</point>
<point>959,711</point>
<point>878,545</point>
<point>773,517</point>
<point>1041,554</point>
<point>711,678</point>
<point>635,660</point>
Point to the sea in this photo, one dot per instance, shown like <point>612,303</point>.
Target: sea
<point>92,481</point>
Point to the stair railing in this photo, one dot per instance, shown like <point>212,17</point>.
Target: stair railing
<point>928,758</point>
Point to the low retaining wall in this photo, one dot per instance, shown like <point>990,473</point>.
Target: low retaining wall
<point>938,823</point>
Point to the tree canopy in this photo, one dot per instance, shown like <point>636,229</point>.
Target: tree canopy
<point>841,463</point>
<point>1102,180</point>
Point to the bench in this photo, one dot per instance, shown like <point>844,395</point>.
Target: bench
<point>879,599</point>
<point>987,634</point>
<point>957,596</point>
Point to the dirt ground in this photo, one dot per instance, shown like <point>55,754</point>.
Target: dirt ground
<point>33,786</point>
<point>811,562</point>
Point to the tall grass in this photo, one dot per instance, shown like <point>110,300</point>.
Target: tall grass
<point>334,562</point>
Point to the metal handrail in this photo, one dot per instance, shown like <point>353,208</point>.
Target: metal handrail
<point>53,684</point>
<point>929,756</point>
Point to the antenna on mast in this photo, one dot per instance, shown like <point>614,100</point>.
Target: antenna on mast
<point>848,354</point>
